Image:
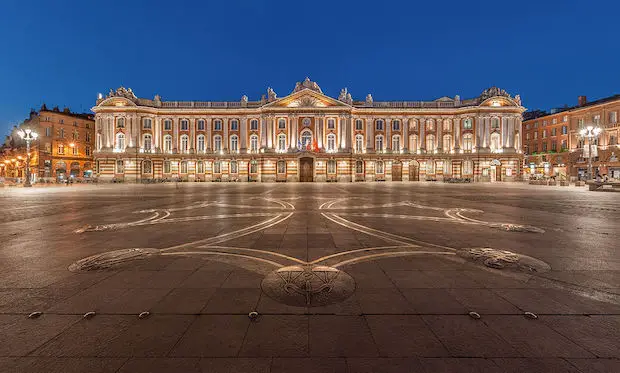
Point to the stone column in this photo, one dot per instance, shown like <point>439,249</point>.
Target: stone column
<point>175,135</point>
<point>225,136</point>
<point>348,134</point>
<point>370,130</point>
<point>243,130</point>
<point>263,131</point>
<point>270,131</point>
<point>209,139</point>
<point>405,124</point>
<point>456,125</point>
<point>388,134</point>
<point>192,135</point>
<point>439,133</point>
<point>157,134</point>
<point>319,136</point>
<point>422,139</point>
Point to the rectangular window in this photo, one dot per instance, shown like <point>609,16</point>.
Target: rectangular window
<point>148,123</point>
<point>379,125</point>
<point>527,135</point>
<point>217,125</point>
<point>535,135</point>
<point>468,121</point>
<point>61,149</point>
<point>331,166</point>
<point>613,117</point>
<point>166,167</point>
<point>565,118</point>
<point>544,146</point>
<point>201,125</point>
<point>553,131</point>
<point>554,120</point>
<point>48,131</point>
<point>87,136</point>
<point>596,119</point>
<point>217,167</point>
<point>359,125</point>
<point>75,150</point>
<point>554,146</point>
<point>396,125</point>
<point>254,125</point>
<point>120,166</point>
<point>87,150</point>
<point>184,125</point>
<point>331,124</point>
<point>167,125</point>
<point>234,125</point>
<point>564,130</point>
<point>564,145</point>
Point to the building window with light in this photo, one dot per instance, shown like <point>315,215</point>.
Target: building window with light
<point>217,125</point>
<point>120,166</point>
<point>217,167</point>
<point>379,125</point>
<point>495,123</point>
<point>184,143</point>
<point>87,151</point>
<point>281,167</point>
<point>359,167</point>
<point>75,150</point>
<point>200,167</point>
<point>61,133</point>
<point>331,123</point>
<point>359,143</point>
<point>331,166</point>
<point>613,117</point>
<point>147,167</point>
<point>234,167</point>
<point>254,125</point>
<point>254,143</point>
<point>306,138</point>
<point>468,167</point>
<point>234,143</point>
<point>564,145</point>
<point>413,125</point>
<point>379,143</point>
<point>217,143</point>
<point>253,166</point>
<point>396,125</point>
<point>120,141</point>
<point>413,143</point>
<point>201,125</point>
<point>147,124</point>
<point>430,126</point>
<point>495,142</point>
<point>282,142</point>
<point>168,143</point>
<point>447,125</point>
<point>234,125</point>
<point>183,167</point>
<point>468,142</point>
<point>281,123</point>
<point>395,143</point>
<point>167,125</point>
<point>200,143</point>
<point>331,142</point>
<point>184,125</point>
<point>359,125</point>
<point>430,143</point>
<point>379,167</point>
<point>166,167</point>
<point>61,149</point>
<point>467,124</point>
<point>447,143</point>
<point>120,122</point>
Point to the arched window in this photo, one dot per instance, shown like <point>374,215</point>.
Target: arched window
<point>379,167</point>
<point>234,143</point>
<point>379,143</point>
<point>430,143</point>
<point>200,143</point>
<point>468,142</point>
<point>233,167</point>
<point>359,167</point>
<point>254,125</point>
<point>167,125</point>
<point>147,124</point>
<point>396,143</point>
<point>281,167</point>
<point>379,125</point>
<point>147,142</point>
<point>254,143</point>
<point>282,142</point>
<point>447,125</point>
<point>306,138</point>
<point>281,123</point>
<point>183,167</point>
<point>166,167</point>
<point>331,142</point>
<point>167,143</point>
<point>120,166</point>
<point>120,122</point>
<point>120,141</point>
<point>201,125</point>
<point>217,143</point>
<point>430,125</point>
<point>359,143</point>
<point>234,125</point>
<point>184,143</point>
<point>413,143</point>
<point>184,125</point>
<point>447,143</point>
<point>331,166</point>
<point>147,167</point>
<point>495,142</point>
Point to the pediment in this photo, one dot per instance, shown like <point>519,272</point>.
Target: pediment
<point>306,98</point>
<point>116,101</point>
<point>498,101</point>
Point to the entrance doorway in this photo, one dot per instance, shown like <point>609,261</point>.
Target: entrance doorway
<point>414,171</point>
<point>306,169</point>
<point>397,171</point>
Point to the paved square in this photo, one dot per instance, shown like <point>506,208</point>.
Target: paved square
<point>362,277</point>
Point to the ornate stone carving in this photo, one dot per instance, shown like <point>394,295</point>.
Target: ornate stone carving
<point>492,92</point>
<point>345,96</point>
<point>307,84</point>
<point>271,94</point>
<point>369,99</point>
<point>122,92</point>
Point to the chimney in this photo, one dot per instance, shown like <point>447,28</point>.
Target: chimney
<point>582,100</point>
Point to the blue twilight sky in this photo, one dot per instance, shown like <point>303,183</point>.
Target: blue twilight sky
<point>65,52</point>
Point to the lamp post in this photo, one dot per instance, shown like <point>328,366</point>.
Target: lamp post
<point>28,135</point>
<point>590,133</point>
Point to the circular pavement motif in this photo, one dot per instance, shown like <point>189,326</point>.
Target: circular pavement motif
<point>308,286</point>
<point>503,259</point>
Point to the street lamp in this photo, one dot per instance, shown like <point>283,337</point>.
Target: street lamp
<point>28,135</point>
<point>591,133</point>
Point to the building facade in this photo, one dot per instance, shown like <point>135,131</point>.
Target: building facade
<point>308,136</point>
<point>554,148</point>
<point>64,147</point>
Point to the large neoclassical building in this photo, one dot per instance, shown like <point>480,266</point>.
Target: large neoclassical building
<point>308,136</point>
